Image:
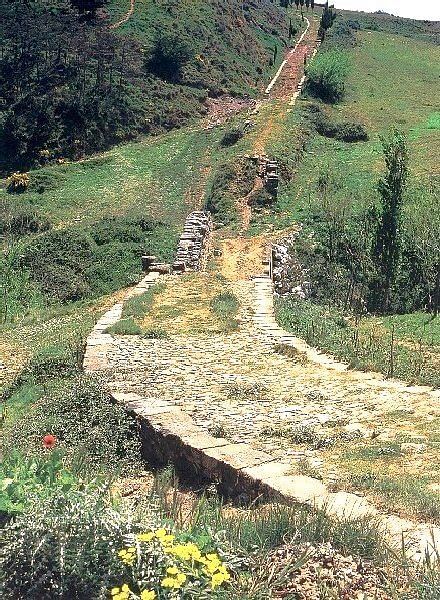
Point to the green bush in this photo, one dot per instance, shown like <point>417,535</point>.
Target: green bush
<point>87,422</point>
<point>52,362</point>
<point>65,547</point>
<point>326,76</point>
<point>17,218</point>
<point>17,183</point>
<point>155,334</point>
<point>345,131</point>
<point>169,55</point>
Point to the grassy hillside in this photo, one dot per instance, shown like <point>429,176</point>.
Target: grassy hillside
<point>72,86</point>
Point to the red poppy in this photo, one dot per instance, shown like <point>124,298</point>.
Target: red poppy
<point>49,441</point>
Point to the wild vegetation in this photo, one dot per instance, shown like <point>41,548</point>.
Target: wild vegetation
<point>81,514</point>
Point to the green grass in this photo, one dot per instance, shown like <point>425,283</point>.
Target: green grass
<point>366,345</point>
<point>225,306</point>
<point>151,177</point>
<point>410,103</point>
<point>125,327</point>
<point>138,306</point>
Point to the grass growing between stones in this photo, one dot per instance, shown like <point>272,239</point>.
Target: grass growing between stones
<point>192,303</point>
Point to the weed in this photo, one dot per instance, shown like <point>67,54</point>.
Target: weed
<point>155,334</point>
<point>138,306</point>
<point>225,306</point>
<point>126,326</point>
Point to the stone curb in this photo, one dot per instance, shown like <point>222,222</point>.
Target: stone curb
<point>169,435</point>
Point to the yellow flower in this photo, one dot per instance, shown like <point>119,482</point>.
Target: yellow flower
<point>168,582</point>
<point>160,533</point>
<point>148,595</point>
<point>114,591</point>
<point>181,578</point>
<point>172,570</point>
<point>218,578</point>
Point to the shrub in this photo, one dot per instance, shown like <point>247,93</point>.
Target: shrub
<point>155,334</point>
<point>17,183</point>
<point>51,362</point>
<point>57,261</point>
<point>226,306</point>
<point>21,219</point>
<point>87,423</point>
<point>63,547</point>
<point>326,76</point>
<point>232,136</point>
<point>169,55</point>
<point>162,566</point>
<point>345,131</point>
<point>23,478</point>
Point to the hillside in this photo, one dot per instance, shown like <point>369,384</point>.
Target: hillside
<point>251,412</point>
<point>70,86</point>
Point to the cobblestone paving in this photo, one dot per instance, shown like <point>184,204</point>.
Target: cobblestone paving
<point>241,387</point>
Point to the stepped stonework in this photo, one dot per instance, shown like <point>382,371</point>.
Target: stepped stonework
<point>193,248</point>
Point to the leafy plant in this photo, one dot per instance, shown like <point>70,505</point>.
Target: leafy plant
<point>125,327</point>
<point>17,183</point>
<point>89,425</point>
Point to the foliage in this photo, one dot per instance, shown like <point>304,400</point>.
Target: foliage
<point>387,247</point>
<point>169,55</point>
<point>22,479</point>
<point>345,131</point>
<point>51,362</point>
<point>361,342</point>
<point>87,422</point>
<point>326,76</point>
<point>157,561</point>
<point>64,546</point>
<point>17,182</point>
<point>232,136</point>
<point>19,218</point>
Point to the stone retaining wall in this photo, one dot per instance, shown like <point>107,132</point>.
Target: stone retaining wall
<point>170,436</point>
<point>193,247</point>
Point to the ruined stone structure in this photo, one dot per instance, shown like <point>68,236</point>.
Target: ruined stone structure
<point>193,248</point>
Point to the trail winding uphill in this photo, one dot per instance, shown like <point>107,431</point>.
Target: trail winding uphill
<point>126,17</point>
<point>248,386</point>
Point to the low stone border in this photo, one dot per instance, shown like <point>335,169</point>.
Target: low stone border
<point>169,435</point>
<point>193,247</point>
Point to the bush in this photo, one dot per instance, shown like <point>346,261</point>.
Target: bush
<point>63,547</point>
<point>51,362</point>
<point>17,183</point>
<point>326,76</point>
<point>86,421</point>
<point>168,57</point>
<point>24,478</point>
<point>232,136</point>
<point>345,131</point>
<point>21,219</point>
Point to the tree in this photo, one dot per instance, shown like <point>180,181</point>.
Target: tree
<point>170,54</point>
<point>307,4</point>
<point>312,4</point>
<point>327,19</point>
<point>88,8</point>
<point>297,4</point>
<point>387,246</point>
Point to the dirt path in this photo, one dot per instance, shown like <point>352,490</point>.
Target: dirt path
<point>126,17</point>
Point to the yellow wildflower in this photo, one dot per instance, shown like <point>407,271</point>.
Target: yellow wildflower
<point>148,595</point>
<point>172,570</point>
<point>160,533</point>
<point>218,578</point>
<point>168,582</point>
